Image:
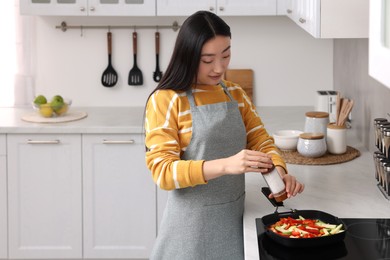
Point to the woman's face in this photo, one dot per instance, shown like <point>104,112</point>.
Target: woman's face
<point>214,60</point>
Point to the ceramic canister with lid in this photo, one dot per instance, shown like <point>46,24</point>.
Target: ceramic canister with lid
<point>312,144</point>
<point>316,122</point>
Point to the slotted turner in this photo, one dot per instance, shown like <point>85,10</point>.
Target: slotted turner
<point>109,77</point>
<point>135,74</point>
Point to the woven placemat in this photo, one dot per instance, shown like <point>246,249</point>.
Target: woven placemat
<point>294,157</point>
<point>34,117</point>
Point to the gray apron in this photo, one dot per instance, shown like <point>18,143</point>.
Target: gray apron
<point>205,221</point>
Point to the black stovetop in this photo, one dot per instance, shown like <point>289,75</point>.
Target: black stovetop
<point>366,239</point>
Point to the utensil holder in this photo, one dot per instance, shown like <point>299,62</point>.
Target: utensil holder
<point>336,139</point>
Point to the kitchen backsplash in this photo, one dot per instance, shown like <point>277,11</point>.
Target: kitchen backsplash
<point>289,65</point>
<point>352,79</point>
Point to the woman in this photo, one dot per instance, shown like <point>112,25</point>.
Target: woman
<point>202,135</point>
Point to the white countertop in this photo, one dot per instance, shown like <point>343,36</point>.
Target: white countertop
<point>115,120</point>
<point>344,190</point>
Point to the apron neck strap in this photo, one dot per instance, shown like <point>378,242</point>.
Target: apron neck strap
<point>192,100</point>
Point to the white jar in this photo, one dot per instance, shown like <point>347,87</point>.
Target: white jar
<point>336,140</point>
<point>316,122</point>
<point>311,145</point>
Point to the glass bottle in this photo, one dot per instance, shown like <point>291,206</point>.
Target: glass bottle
<point>377,130</point>
<point>275,184</point>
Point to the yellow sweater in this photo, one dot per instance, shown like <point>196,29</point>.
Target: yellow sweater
<point>168,128</point>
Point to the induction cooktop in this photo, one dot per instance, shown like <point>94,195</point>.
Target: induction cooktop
<point>366,239</point>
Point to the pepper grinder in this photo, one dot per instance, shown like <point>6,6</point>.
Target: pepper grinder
<point>275,184</point>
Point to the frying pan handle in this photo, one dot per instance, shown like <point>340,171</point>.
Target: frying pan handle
<point>266,191</point>
<point>109,42</point>
<point>157,36</point>
<point>135,42</point>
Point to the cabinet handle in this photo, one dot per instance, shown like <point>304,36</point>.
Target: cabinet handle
<point>289,11</point>
<point>29,141</point>
<point>301,20</point>
<point>118,142</point>
<point>92,9</point>
<point>221,8</point>
<point>211,8</point>
<point>82,9</point>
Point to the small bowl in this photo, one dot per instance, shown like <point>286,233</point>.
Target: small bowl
<point>287,139</point>
<point>47,110</point>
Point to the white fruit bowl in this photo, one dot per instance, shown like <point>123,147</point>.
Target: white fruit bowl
<point>287,139</point>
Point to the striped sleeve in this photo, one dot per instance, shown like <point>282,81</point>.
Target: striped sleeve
<point>258,138</point>
<point>163,133</point>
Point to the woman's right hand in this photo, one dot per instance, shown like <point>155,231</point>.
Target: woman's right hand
<point>242,162</point>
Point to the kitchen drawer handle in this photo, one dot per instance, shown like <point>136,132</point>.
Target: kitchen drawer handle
<point>301,20</point>
<point>29,141</point>
<point>118,142</point>
<point>289,11</point>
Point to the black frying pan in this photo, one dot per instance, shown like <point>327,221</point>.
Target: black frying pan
<point>270,219</point>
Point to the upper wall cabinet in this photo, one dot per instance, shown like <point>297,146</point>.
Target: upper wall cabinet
<point>220,7</point>
<point>89,7</point>
<point>329,18</point>
<point>379,47</point>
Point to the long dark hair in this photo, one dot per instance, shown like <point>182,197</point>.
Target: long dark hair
<point>194,33</point>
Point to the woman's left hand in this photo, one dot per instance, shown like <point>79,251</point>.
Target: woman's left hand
<point>293,186</point>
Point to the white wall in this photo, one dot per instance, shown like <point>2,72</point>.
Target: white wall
<point>289,64</point>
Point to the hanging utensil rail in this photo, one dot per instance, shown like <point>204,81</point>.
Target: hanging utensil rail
<point>64,26</point>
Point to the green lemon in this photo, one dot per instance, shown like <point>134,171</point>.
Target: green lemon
<point>57,98</point>
<point>39,100</point>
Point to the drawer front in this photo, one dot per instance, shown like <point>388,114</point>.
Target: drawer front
<point>2,144</point>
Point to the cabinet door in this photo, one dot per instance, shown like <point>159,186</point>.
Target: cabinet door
<point>54,7</point>
<point>44,191</point>
<point>119,198</point>
<point>3,199</point>
<point>183,8</point>
<point>306,13</point>
<point>89,7</point>
<point>122,7</point>
<point>246,7</point>
<point>220,7</point>
<point>379,47</point>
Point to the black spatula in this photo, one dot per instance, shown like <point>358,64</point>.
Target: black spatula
<point>135,74</point>
<point>109,77</point>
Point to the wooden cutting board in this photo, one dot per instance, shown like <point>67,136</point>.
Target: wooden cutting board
<point>243,77</point>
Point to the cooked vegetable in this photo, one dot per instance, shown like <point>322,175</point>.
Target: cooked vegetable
<point>304,228</point>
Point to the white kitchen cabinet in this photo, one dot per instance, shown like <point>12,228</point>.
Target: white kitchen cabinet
<point>119,197</point>
<point>220,7</point>
<point>379,47</point>
<point>44,193</point>
<point>329,18</point>
<point>3,199</point>
<point>89,7</point>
